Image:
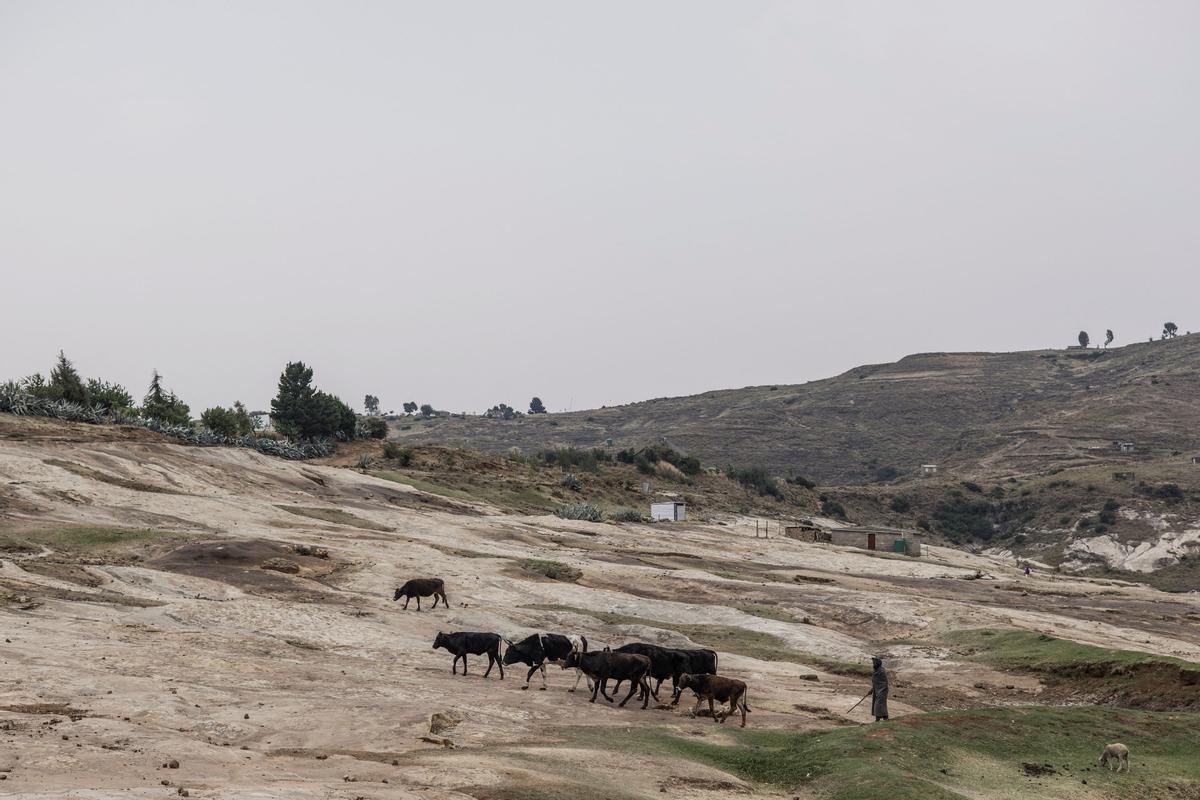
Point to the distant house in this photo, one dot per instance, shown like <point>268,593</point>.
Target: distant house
<point>1196,459</point>
<point>929,469</point>
<point>890,540</point>
<point>672,510</point>
<point>1125,447</point>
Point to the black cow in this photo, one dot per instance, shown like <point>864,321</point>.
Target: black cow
<point>422,587</point>
<point>538,648</point>
<point>663,663</point>
<point>692,662</point>
<point>476,644</point>
<point>601,666</point>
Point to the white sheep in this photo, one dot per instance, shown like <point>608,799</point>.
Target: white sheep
<point>1115,754</point>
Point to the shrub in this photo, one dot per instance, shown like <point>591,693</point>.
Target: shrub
<point>109,396</point>
<point>800,480</point>
<point>960,518</point>
<point>371,428</point>
<point>972,486</point>
<point>832,508</point>
<point>885,474</point>
<point>554,570</point>
<point>1169,492</point>
<point>570,458</point>
<point>581,511</point>
<point>626,515</point>
<point>997,492</point>
<point>900,504</point>
<point>756,479</point>
<point>365,462</point>
<point>219,420</point>
<point>571,482</point>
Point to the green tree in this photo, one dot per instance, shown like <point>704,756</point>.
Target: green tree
<point>1170,331</point>
<point>164,405</point>
<point>302,412</point>
<point>410,408</point>
<point>536,407</point>
<point>371,405</point>
<point>1108,337</point>
<point>65,383</point>
<point>427,410</point>
<point>219,420</point>
<point>245,422</point>
<point>109,396</point>
<point>1083,339</point>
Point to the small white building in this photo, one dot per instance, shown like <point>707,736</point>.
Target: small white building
<point>672,510</point>
<point>1125,447</point>
<point>929,469</point>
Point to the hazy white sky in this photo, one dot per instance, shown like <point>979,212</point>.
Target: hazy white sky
<point>471,203</point>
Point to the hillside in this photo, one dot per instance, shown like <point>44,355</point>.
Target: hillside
<point>977,414</point>
<point>212,622</point>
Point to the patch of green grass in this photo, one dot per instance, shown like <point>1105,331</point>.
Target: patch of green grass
<point>726,638</point>
<point>336,516</point>
<point>948,755</point>
<point>767,612</point>
<point>80,537</point>
<point>1037,652</point>
<point>554,570</point>
<point>112,480</point>
<point>422,485</point>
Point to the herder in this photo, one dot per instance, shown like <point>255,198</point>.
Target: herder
<point>879,690</point>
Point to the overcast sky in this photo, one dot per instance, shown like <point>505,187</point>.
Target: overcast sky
<point>472,203</point>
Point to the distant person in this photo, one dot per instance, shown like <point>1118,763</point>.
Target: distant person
<point>879,689</point>
<point>1027,570</point>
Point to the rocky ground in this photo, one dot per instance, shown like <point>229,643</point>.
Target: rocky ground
<point>216,623</point>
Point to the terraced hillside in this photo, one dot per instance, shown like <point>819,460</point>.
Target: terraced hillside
<point>981,414</point>
<point>215,623</point>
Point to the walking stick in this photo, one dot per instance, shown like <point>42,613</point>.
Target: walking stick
<point>864,697</point>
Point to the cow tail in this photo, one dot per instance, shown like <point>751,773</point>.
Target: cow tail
<point>716,658</point>
<point>584,640</point>
<point>746,700</point>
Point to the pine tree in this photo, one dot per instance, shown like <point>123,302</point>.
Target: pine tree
<point>536,406</point>
<point>164,405</point>
<point>65,383</point>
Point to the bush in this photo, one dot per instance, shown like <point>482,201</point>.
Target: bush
<point>1169,492</point>
<point>109,396</point>
<point>365,462</point>
<point>959,518</point>
<point>756,479</point>
<point>371,428</point>
<point>570,458</point>
<point>581,511</point>
<point>800,480</point>
<point>900,505</point>
<point>394,452</point>
<point>832,508</point>
<point>885,474</point>
<point>972,486</point>
<point>220,420</point>
<point>571,482</point>
<point>626,515</point>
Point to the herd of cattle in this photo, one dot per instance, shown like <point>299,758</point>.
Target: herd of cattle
<point>639,663</point>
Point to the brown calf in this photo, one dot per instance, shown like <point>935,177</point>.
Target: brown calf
<point>720,689</point>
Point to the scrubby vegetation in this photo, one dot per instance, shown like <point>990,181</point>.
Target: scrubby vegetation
<point>756,479</point>
<point>626,515</point>
<point>581,511</point>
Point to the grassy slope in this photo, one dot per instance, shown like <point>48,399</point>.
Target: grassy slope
<point>1027,650</point>
<point>955,755</point>
<point>1028,410</point>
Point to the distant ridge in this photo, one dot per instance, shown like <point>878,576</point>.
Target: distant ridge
<point>980,413</point>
